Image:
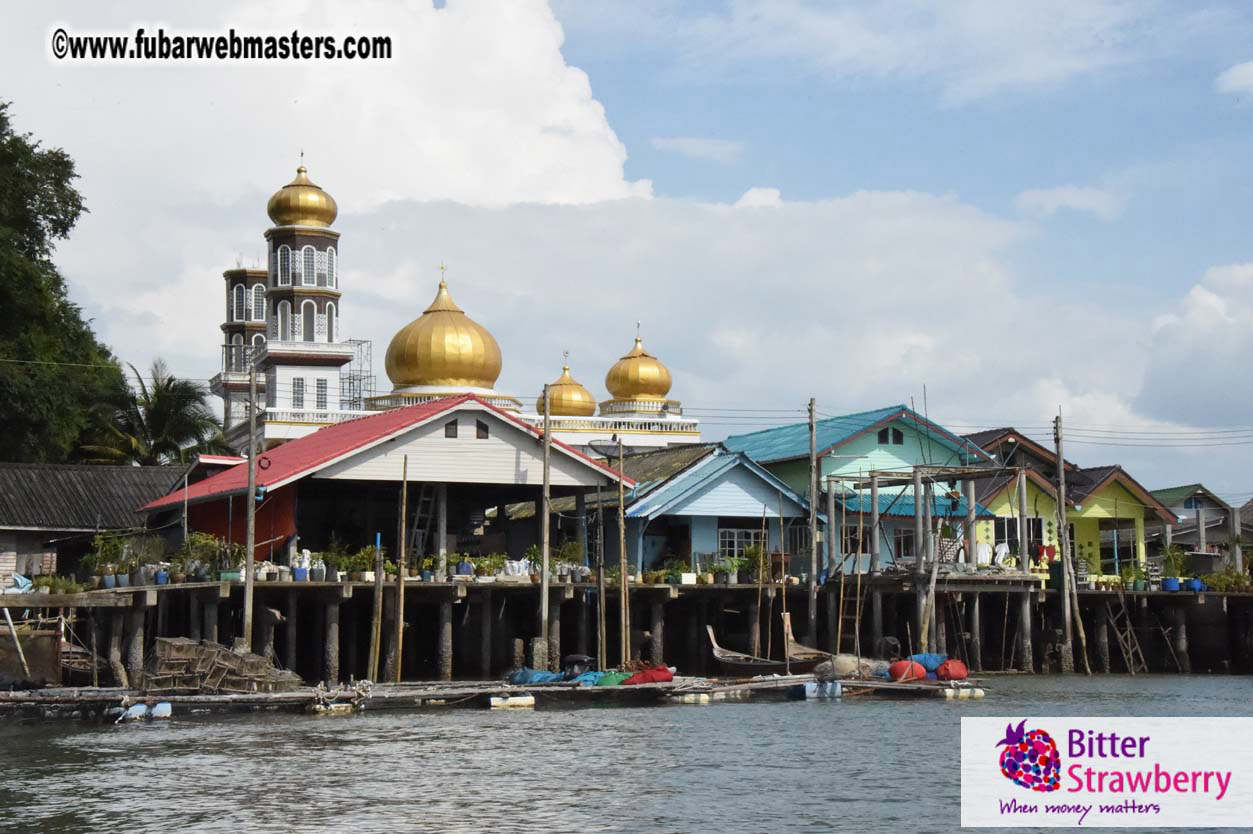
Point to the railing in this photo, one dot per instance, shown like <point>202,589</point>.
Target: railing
<point>235,358</point>
<point>659,407</point>
<point>310,415</point>
<point>327,348</point>
<point>615,424</point>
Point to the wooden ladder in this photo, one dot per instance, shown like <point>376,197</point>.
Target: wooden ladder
<point>1120,619</point>
<point>1169,643</point>
<point>423,518</point>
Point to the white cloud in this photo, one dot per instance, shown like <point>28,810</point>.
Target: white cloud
<point>1237,80</point>
<point>760,197</point>
<point>1100,202</point>
<point>715,150</point>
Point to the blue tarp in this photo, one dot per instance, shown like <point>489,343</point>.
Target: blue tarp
<point>588,678</point>
<point>929,660</point>
<point>527,675</point>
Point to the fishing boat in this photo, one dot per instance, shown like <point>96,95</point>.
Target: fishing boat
<point>800,659</point>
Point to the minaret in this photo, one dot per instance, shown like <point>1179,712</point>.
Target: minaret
<point>243,331</point>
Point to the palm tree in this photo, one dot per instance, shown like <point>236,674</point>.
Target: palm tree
<point>162,420</point>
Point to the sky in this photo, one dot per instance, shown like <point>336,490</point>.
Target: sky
<point>998,210</point>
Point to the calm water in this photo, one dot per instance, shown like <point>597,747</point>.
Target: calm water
<point>857,764</point>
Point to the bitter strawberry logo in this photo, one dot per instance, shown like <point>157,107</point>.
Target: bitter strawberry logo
<point>1030,758</point>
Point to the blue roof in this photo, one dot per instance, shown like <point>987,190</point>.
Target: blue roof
<point>658,496</point>
<point>790,442</point>
<point>893,507</point>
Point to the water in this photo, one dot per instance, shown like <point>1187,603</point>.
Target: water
<point>858,764</point>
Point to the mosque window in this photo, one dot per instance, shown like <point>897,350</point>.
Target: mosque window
<point>309,314</point>
<point>258,340</point>
<point>235,358</point>
<point>258,302</point>
<point>284,321</point>
<point>450,428</point>
<point>330,322</point>
<point>331,267</point>
<point>309,276</point>
<point>240,312</point>
<point>298,393</point>
<point>320,400</point>
<point>288,267</point>
<point>271,266</point>
<point>321,261</point>
<point>480,430</point>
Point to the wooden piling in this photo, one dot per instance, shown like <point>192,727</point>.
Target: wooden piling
<point>135,645</point>
<point>1025,658</point>
<point>657,624</point>
<point>876,622</point>
<point>754,625</point>
<point>117,623</point>
<point>485,635</point>
<point>194,621</point>
<point>1102,639</point>
<point>292,632</point>
<point>211,620</point>
<point>444,642</point>
<point>1181,640</point>
<point>940,612</point>
<point>554,635</point>
<point>330,643</point>
<point>976,634</point>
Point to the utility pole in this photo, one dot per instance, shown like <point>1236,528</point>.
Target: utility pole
<point>624,613</point>
<point>544,541</point>
<point>1063,537</point>
<point>813,523</point>
<point>250,542</point>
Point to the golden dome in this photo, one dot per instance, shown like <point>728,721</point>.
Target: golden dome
<point>638,376</point>
<point>443,346</point>
<point>301,203</point>
<point>567,398</point>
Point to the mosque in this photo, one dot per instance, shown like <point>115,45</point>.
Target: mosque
<point>286,320</point>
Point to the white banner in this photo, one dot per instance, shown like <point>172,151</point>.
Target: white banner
<point>1108,772</point>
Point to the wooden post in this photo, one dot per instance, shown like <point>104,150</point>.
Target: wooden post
<point>485,635</point>
<point>813,524</point>
<point>624,606</point>
<point>971,504</point>
<point>194,617</point>
<point>1202,539</point>
<point>330,645</point>
<point>580,623</point>
<point>250,543</point>
<point>1063,538</point>
<point>976,634</point>
<point>1181,640</point>
<point>267,621</point>
<point>554,638</point>
<point>1024,555</point>
<point>876,543</point>
<point>1024,633</point>
<point>135,646</point>
<point>376,614</point>
<point>941,624</point>
<point>602,634</point>
<point>832,548</point>
<point>876,622</point>
<point>657,643</point>
<point>441,531</point>
<point>920,549</point>
<point>754,626</point>
<point>544,507</point>
<point>211,620</point>
<point>444,641</point>
<point>402,567</point>
<point>1102,640</point>
<point>117,623</point>
<point>291,634</point>
<point>833,623</point>
<point>1236,528</point>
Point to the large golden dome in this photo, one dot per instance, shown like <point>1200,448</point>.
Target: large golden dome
<point>301,203</point>
<point>638,376</point>
<point>443,346</point>
<point>566,397</point>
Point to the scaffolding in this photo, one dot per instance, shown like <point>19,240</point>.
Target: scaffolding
<point>356,382</point>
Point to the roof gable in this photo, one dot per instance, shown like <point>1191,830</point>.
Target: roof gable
<point>1176,496</point>
<point>1091,480</point>
<point>723,483</point>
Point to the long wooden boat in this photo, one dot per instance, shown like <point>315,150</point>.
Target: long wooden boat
<point>800,659</point>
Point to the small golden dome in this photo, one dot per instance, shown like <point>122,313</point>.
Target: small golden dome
<point>638,376</point>
<point>443,346</point>
<point>301,203</point>
<point>567,397</point>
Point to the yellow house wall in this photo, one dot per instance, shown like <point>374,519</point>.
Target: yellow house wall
<point>1039,504</point>
<point>1112,501</point>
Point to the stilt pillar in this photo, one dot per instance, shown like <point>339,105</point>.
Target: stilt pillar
<point>976,634</point>
<point>330,645</point>
<point>554,636</point>
<point>1026,660</point>
<point>754,626</point>
<point>444,641</point>
<point>210,613</point>
<point>291,632</point>
<point>941,624</point>
<point>657,624</point>
<point>485,635</point>
<point>117,624</point>
<point>1181,640</point>
<point>194,621</point>
<point>135,647</point>
<point>1102,639</point>
<point>876,623</point>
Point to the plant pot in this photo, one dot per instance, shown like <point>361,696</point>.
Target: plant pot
<point>137,578</point>
<point>356,576</point>
<point>162,577</point>
<point>178,578</point>
<point>317,574</point>
<point>733,578</point>
<point>367,576</point>
<point>535,577</point>
<point>722,577</point>
<point>413,573</point>
<point>428,576</point>
<point>123,580</point>
<point>93,582</point>
<point>480,571</point>
<point>300,574</point>
<point>108,581</point>
<point>745,577</point>
<point>1141,584</point>
<point>1192,584</point>
<point>229,576</point>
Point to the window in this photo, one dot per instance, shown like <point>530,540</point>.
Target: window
<point>235,359</point>
<point>284,321</point>
<point>330,322</point>
<point>889,435</point>
<point>298,393</point>
<point>798,539</point>
<point>272,266</point>
<point>450,428</point>
<point>321,269</point>
<point>331,267</point>
<point>849,541</point>
<point>898,437</point>
<point>284,266</point>
<point>258,302</point>
<point>480,430</point>
<point>1006,531</point>
<point>240,295</point>
<point>308,312</point>
<point>320,401</point>
<point>258,340</point>
<point>883,437</point>
<point>309,275</point>
<point>732,541</point>
<point>903,544</point>
<point>294,272</point>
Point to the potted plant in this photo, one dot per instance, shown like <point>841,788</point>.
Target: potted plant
<point>389,569</point>
<point>722,571</point>
<point>1127,574</point>
<point>317,569</point>
<point>1140,578</point>
<point>1173,559</point>
<point>427,568</point>
<point>750,564</point>
<point>1093,559</point>
<point>178,570</point>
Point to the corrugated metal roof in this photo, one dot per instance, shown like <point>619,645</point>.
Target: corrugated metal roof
<point>304,455</point>
<point>792,441</point>
<point>1173,496</point>
<point>66,497</point>
<point>903,507</point>
<point>707,470</point>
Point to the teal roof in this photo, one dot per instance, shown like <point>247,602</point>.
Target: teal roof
<point>892,506</point>
<point>661,495</point>
<point>791,442</point>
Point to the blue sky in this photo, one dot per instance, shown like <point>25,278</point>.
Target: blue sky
<point>1022,206</point>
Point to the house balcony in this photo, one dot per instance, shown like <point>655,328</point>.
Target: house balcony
<point>234,373</point>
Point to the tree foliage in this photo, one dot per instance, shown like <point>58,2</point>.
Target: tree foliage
<point>164,419</point>
<point>53,369</point>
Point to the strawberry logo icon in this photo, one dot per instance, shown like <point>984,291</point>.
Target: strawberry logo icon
<point>1030,758</point>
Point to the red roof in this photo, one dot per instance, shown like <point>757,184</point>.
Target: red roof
<point>300,457</point>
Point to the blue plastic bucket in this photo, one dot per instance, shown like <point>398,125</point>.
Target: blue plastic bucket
<point>1170,583</point>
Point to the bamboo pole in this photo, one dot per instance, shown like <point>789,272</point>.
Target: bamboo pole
<point>16,642</point>
<point>602,636</point>
<point>787,655</point>
<point>376,620</point>
<point>545,534</point>
<point>250,545</point>
<point>624,608</point>
<point>402,563</point>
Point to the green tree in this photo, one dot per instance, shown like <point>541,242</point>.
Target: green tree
<point>163,419</point>
<point>53,370</point>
